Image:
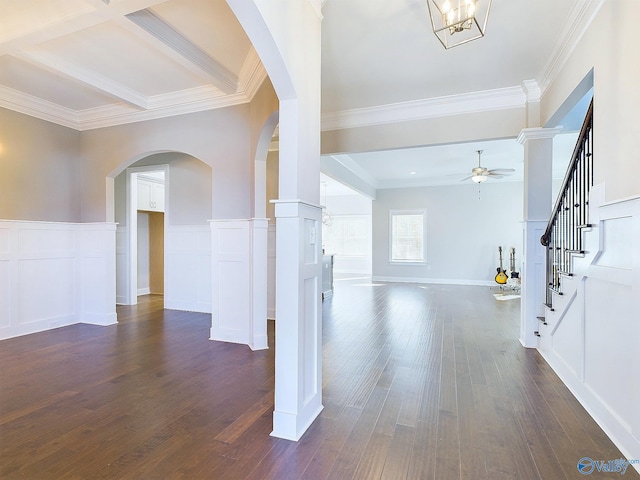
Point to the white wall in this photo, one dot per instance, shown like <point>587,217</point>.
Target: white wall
<point>464,229</point>
<point>606,50</point>
<point>188,268</point>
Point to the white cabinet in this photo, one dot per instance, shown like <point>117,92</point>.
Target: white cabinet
<point>150,195</point>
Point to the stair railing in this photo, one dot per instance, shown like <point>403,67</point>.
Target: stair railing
<point>570,214</point>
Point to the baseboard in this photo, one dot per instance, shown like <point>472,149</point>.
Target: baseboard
<point>439,281</point>
<point>611,424</point>
<point>226,335</point>
<point>144,291</point>
<point>260,342</point>
<point>100,319</point>
<point>37,326</point>
<point>186,306</point>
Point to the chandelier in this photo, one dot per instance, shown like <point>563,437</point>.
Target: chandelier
<point>458,21</point>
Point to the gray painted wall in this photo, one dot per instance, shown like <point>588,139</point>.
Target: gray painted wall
<point>190,184</point>
<point>463,231</point>
<point>40,169</point>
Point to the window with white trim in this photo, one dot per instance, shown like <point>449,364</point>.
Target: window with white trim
<point>407,242</point>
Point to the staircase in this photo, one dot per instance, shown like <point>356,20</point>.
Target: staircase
<point>564,235</point>
<point>589,330</point>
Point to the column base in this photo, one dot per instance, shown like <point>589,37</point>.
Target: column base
<point>290,426</point>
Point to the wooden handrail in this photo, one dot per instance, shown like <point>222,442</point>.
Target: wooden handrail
<point>563,236</point>
<point>587,126</point>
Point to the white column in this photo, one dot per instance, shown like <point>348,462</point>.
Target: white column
<point>298,390</point>
<point>294,70</point>
<point>538,156</point>
<point>238,278</point>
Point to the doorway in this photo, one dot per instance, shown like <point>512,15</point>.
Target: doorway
<point>146,220</point>
<point>150,205</point>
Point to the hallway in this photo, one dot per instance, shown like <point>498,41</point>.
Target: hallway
<point>420,381</point>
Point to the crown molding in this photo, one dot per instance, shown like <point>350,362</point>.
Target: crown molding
<point>532,90</point>
<point>482,101</point>
<point>187,101</point>
<point>36,107</point>
<point>579,21</point>
<point>252,74</point>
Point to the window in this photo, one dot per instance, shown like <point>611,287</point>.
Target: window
<point>348,235</point>
<point>407,236</point>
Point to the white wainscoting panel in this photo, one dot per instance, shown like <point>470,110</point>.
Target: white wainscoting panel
<point>5,293</point>
<point>97,273</point>
<point>239,282</point>
<point>46,291</point>
<point>54,274</point>
<point>188,268</point>
<point>591,338</point>
<point>122,265</point>
<point>271,272</point>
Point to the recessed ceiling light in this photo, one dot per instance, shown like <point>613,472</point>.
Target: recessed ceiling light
<point>412,173</point>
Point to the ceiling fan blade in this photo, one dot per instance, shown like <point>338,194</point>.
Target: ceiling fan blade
<point>502,170</point>
<point>466,178</point>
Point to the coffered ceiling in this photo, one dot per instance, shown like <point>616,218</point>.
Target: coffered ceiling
<point>92,63</point>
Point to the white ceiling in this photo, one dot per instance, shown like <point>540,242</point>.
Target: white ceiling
<point>379,52</point>
<point>383,56</point>
<point>92,63</point>
<point>450,164</point>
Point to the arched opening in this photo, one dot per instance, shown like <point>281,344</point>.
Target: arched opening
<point>182,203</point>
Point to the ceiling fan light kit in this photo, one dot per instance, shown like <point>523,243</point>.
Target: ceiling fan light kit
<point>456,22</point>
<point>479,178</point>
<point>481,174</point>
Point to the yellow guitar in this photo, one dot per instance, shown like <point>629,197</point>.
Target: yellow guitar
<point>501,276</point>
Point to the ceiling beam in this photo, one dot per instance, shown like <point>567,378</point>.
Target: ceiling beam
<point>91,78</point>
<point>97,12</point>
<point>219,76</point>
<point>156,44</point>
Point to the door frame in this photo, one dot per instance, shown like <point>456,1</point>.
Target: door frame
<point>132,225</point>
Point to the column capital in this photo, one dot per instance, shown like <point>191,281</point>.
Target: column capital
<point>295,208</point>
<point>537,133</point>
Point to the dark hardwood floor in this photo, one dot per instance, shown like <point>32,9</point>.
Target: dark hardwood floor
<point>420,382</point>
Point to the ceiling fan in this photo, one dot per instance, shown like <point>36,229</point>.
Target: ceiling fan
<point>480,174</point>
